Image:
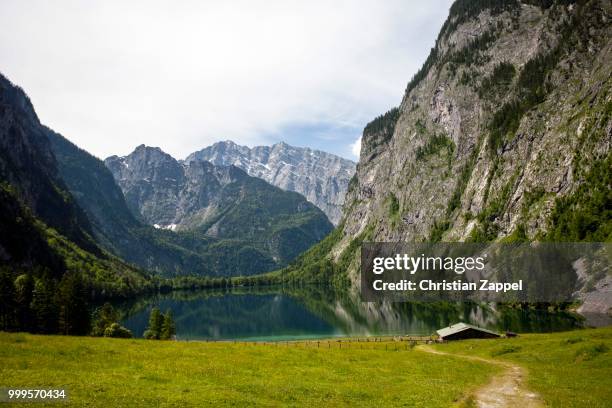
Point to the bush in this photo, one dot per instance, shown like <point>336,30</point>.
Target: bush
<point>434,145</point>
<point>150,335</point>
<point>103,318</point>
<point>393,205</point>
<point>117,331</point>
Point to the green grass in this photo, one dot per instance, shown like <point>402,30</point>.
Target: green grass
<point>117,372</point>
<point>572,369</point>
<point>566,369</point>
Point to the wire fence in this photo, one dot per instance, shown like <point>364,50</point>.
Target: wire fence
<point>362,343</point>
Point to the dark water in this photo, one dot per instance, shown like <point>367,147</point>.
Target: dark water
<point>315,313</point>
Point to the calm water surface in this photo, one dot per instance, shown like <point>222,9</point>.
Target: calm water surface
<point>268,314</point>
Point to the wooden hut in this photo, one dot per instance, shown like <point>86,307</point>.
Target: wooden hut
<point>461,331</point>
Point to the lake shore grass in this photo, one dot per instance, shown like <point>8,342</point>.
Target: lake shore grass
<point>132,372</point>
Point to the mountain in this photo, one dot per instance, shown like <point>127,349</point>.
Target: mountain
<point>503,134</point>
<point>251,225</point>
<point>45,233</point>
<point>167,253</point>
<point>29,167</point>
<point>114,226</point>
<point>321,177</point>
<point>63,212</point>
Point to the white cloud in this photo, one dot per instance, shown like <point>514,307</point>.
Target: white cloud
<point>110,74</point>
<point>356,147</point>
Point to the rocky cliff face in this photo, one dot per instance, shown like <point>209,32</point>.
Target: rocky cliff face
<point>320,177</point>
<point>151,181</point>
<point>504,133</point>
<point>43,230</point>
<point>244,217</point>
<point>29,166</point>
<point>114,226</point>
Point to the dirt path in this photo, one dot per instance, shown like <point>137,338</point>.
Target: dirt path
<point>505,390</point>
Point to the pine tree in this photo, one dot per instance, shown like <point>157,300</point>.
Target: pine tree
<point>24,286</point>
<point>168,328</point>
<point>7,301</point>
<point>43,308</point>
<point>72,301</point>
<point>156,319</point>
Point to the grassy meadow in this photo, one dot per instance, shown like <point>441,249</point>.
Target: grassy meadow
<point>568,369</point>
<point>117,372</point>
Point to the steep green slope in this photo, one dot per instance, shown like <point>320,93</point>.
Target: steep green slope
<point>29,246</point>
<point>26,163</point>
<point>279,222</point>
<point>50,266</point>
<point>23,239</point>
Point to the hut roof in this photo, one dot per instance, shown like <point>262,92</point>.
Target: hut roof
<point>459,327</point>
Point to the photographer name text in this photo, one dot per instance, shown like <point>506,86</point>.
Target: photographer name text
<point>455,286</point>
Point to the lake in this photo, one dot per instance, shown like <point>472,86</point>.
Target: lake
<point>313,312</point>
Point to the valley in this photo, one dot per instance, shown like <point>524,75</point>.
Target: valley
<point>245,258</point>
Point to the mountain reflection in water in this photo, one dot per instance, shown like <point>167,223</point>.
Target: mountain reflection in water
<point>316,312</point>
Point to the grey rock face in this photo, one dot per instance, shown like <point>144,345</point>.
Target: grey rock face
<point>166,193</point>
<point>221,202</point>
<point>479,185</point>
<point>319,176</point>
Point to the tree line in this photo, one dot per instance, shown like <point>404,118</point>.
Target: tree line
<point>39,303</point>
<point>43,304</point>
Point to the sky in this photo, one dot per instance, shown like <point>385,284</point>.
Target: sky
<point>111,75</point>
